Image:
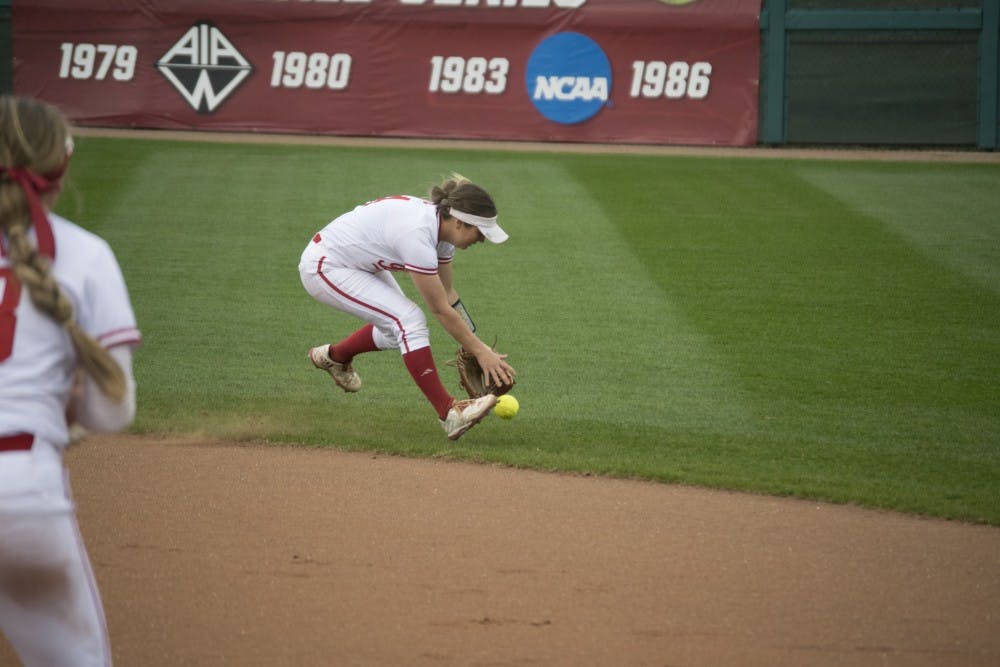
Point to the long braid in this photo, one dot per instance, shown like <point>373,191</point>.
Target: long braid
<point>34,137</point>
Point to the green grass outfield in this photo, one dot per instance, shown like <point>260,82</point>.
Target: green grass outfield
<point>829,330</point>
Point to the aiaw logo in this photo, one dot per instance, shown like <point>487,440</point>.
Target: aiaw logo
<point>204,67</point>
<point>568,78</point>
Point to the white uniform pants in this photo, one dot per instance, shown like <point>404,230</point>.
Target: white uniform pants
<point>50,610</point>
<point>373,297</point>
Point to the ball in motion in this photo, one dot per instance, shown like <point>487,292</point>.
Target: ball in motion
<point>506,407</point>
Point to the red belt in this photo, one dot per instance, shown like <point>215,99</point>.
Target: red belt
<point>16,443</point>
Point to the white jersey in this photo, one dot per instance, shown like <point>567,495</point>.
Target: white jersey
<point>37,359</point>
<point>397,233</point>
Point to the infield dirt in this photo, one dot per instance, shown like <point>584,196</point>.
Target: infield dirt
<point>218,554</point>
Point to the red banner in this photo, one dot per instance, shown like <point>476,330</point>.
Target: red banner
<point>632,71</point>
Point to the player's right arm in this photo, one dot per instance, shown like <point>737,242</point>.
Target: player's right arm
<point>445,273</point>
<point>105,312</point>
<point>494,366</point>
<point>94,410</point>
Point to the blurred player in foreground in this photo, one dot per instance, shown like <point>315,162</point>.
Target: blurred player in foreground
<point>348,265</point>
<point>67,331</point>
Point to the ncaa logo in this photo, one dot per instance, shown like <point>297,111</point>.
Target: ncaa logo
<point>568,78</point>
<point>204,67</point>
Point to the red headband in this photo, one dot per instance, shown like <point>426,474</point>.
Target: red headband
<point>34,185</point>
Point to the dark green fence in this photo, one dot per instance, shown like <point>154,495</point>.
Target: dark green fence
<point>918,72</point>
<point>879,72</point>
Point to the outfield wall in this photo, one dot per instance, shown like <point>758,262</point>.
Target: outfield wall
<point>685,72</point>
<point>635,71</point>
<point>919,72</point>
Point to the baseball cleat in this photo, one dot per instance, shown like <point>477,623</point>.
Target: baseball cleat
<point>465,414</point>
<point>342,374</point>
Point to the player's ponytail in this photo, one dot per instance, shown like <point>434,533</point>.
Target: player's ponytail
<point>459,192</point>
<point>34,148</point>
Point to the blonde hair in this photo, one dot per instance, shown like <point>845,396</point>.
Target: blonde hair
<point>35,136</point>
<point>459,192</point>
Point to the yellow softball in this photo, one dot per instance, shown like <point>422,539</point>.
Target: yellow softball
<point>506,407</point>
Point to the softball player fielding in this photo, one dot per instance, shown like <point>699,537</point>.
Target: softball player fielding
<point>64,308</point>
<point>349,266</point>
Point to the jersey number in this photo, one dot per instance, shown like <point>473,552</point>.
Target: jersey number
<point>10,296</point>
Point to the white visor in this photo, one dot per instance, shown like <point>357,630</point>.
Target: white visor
<point>488,226</point>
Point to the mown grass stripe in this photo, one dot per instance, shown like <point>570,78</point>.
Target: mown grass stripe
<point>773,325</point>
